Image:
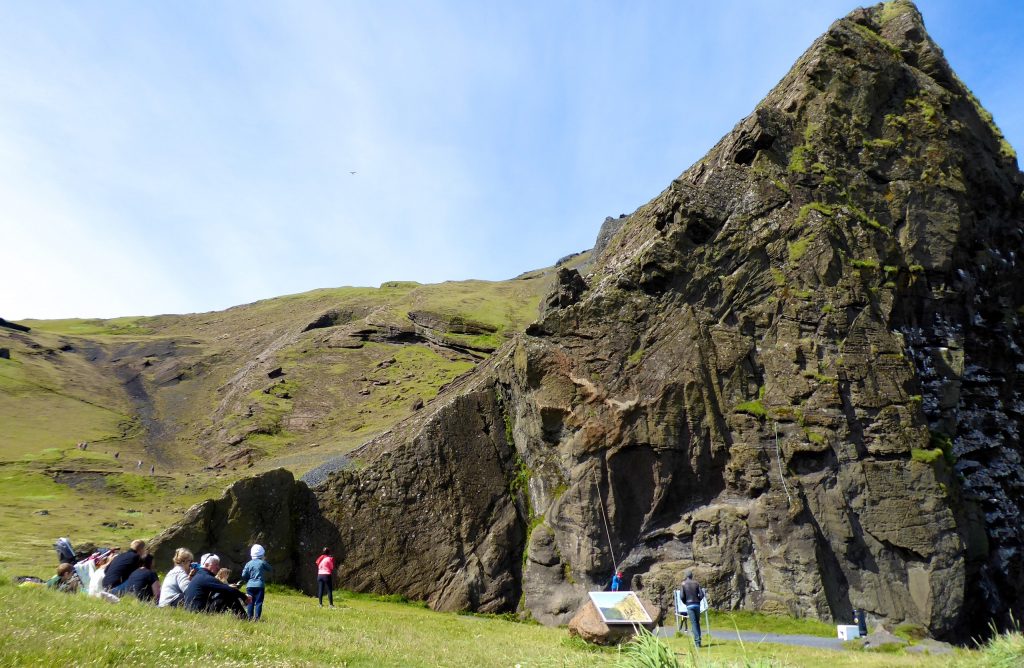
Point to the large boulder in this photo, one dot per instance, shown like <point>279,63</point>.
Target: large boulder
<point>272,509</point>
<point>437,518</point>
<point>588,625</point>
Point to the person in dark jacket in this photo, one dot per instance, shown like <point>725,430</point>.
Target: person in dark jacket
<point>206,593</point>
<point>124,565</point>
<point>143,583</point>
<point>692,596</point>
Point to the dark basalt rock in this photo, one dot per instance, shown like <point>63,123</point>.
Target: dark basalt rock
<point>797,372</point>
<point>272,509</point>
<point>13,325</point>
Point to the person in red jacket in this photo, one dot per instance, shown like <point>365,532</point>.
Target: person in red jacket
<point>325,576</point>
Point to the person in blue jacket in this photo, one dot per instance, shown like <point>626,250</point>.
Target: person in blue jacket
<point>254,577</point>
<point>617,581</point>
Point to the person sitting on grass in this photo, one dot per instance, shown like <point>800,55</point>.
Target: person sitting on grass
<point>176,581</point>
<point>254,576</point>
<point>66,579</point>
<point>207,594</point>
<point>124,565</point>
<point>143,583</point>
<point>224,575</point>
<point>96,581</point>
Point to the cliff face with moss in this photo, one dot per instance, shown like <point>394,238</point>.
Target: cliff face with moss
<point>796,371</point>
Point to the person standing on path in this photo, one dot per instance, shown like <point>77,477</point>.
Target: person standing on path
<point>325,577</point>
<point>254,576</point>
<point>692,596</point>
<point>617,581</point>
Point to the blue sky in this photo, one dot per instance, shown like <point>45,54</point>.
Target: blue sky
<point>169,157</point>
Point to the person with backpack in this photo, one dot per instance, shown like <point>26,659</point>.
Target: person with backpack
<point>617,581</point>
<point>325,577</point>
<point>254,577</point>
<point>693,594</point>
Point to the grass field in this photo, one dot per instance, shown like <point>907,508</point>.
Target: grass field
<point>40,627</point>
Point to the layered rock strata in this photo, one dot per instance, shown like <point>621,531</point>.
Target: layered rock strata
<point>797,371</point>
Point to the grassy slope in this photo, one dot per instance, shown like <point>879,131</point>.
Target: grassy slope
<point>43,627</point>
<point>52,397</point>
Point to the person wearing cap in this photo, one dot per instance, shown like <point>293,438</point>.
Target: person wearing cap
<point>206,593</point>
<point>176,581</point>
<point>254,577</point>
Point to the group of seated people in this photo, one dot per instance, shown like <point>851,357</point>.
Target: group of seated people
<point>198,586</point>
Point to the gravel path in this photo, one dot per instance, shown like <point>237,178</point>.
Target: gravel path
<point>756,637</point>
<point>318,475</point>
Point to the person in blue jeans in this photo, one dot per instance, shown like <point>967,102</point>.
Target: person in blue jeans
<point>692,596</point>
<point>254,576</point>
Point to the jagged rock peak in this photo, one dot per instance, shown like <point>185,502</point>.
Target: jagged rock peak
<point>855,114</point>
<point>798,372</point>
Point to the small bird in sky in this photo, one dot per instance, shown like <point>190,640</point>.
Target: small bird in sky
<point>351,172</point>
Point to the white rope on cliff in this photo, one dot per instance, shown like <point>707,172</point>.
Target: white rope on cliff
<point>778,458</point>
<point>607,533</point>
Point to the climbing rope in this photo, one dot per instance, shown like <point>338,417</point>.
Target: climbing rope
<point>607,533</point>
<point>778,458</point>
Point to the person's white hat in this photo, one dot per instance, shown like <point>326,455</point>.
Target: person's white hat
<point>257,551</point>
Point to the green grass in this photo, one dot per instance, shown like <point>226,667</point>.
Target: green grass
<point>40,627</point>
<point>798,159</point>
<point>754,408</point>
<point>883,144</point>
<point>925,456</point>
<point>43,627</point>
<point>873,36</point>
<point>132,485</point>
<point>806,209</point>
<point>797,249</point>
<point>83,327</point>
<point>894,9</point>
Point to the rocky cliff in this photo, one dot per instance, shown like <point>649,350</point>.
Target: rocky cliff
<point>796,371</point>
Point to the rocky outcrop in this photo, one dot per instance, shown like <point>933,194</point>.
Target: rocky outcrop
<point>794,371</point>
<point>272,509</point>
<point>15,326</point>
<point>435,518</point>
<point>797,372</point>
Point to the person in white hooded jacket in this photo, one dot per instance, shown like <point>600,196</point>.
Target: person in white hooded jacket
<point>177,579</point>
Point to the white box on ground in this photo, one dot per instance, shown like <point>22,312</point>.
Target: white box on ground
<point>848,632</point>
